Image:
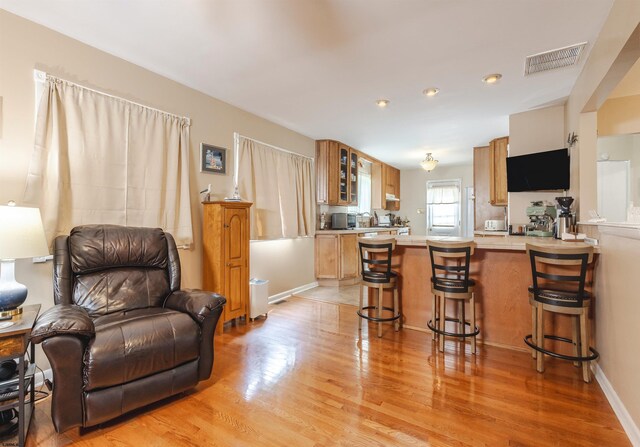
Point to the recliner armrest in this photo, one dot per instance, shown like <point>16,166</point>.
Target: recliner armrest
<point>198,304</point>
<point>63,319</point>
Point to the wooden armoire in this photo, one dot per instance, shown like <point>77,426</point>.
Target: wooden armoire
<point>225,235</point>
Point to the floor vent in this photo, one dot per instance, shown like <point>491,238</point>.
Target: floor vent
<point>550,60</point>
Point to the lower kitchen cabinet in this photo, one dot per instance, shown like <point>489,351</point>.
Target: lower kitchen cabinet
<point>337,260</point>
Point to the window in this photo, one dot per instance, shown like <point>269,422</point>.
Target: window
<point>443,207</point>
<point>99,159</point>
<point>364,192</point>
<point>280,184</point>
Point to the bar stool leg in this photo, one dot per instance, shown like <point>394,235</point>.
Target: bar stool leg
<point>361,302</point>
<point>441,321</point>
<point>540,337</point>
<point>472,302</point>
<point>396,309</point>
<point>380,293</point>
<point>534,327</point>
<point>575,323</point>
<point>584,339</point>
<point>434,315</point>
<point>461,320</point>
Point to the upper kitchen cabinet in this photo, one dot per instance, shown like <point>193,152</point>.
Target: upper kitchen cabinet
<point>498,171</point>
<point>392,189</point>
<point>336,173</point>
<point>385,180</point>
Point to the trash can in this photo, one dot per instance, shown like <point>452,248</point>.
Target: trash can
<point>259,297</point>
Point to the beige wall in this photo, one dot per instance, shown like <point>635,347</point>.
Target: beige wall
<point>413,192</point>
<point>616,300</point>
<point>619,116</point>
<point>534,131</point>
<point>25,45</point>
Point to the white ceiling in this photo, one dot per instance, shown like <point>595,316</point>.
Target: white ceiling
<point>318,66</point>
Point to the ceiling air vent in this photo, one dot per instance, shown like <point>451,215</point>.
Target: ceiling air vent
<point>550,60</point>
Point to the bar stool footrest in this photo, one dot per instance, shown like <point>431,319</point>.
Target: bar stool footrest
<point>529,341</point>
<point>452,334</point>
<point>376,319</point>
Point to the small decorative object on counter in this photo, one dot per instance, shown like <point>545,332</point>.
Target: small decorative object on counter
<point>323,221</point>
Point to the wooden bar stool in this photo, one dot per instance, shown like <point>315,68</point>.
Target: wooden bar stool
<point>450,281</point>
<point>375,263</point>
<point>559,276</point>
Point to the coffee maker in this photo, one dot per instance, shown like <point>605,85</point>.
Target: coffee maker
<point>566,220</point>
<point>541,219</point>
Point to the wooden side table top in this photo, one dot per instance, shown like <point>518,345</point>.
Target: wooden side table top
<point>23,323</point>
<point>15,338</point>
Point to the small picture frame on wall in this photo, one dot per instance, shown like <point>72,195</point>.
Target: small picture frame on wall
<point>213,159</point>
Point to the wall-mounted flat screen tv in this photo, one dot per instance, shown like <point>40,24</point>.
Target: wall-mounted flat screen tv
<point>539,171</point>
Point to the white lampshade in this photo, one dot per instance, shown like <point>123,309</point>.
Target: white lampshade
<point>21,233</point>
<point>429,163</point>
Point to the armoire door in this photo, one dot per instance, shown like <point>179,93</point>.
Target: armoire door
<point>235,262</point>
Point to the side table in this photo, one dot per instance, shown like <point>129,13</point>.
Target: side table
<point>14,342</point>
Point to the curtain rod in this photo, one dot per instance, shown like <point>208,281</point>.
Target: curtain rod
<point>236,134</point>
<point>41,76</point>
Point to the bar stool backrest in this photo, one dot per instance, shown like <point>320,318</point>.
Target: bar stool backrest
<point>551,270</point>
<point>375,266</point>
<point>452,277</point>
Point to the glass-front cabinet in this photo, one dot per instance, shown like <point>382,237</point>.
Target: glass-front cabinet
<point>353,177</point>
<point>336,173</point>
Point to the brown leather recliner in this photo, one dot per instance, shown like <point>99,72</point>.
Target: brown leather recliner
<point>122,334</point>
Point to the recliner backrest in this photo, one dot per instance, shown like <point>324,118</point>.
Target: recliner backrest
<point>111,268</point>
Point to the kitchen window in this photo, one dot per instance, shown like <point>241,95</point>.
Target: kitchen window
<point>443,207</point>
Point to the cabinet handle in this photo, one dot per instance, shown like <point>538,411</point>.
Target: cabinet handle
<point>226,225</point>
<point>228,264</point>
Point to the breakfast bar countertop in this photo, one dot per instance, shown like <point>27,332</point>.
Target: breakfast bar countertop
<point>492,242</point>
<point>358,230</point>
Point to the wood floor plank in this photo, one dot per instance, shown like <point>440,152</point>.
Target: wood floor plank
<point>307,377</point>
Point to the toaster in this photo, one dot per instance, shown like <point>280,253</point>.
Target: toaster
<point>494,225</point>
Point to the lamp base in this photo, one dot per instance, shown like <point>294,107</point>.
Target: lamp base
<point>6,314</point>
<point>12,293</point>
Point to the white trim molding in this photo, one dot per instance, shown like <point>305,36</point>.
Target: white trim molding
<point>287,293</point>
<point>629,426</point>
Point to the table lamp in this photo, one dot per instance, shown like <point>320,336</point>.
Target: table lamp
<point>21,236</point>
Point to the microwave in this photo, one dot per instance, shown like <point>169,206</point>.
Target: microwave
<point>343,221</point>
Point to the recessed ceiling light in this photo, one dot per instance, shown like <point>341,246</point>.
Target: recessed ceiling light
<point>382,103</point>
<point>492,78</point>
<point>431,91</point>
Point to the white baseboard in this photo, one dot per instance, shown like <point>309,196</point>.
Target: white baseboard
<point>629,426</point>
<point>286,294</point>
<point>48,374</point>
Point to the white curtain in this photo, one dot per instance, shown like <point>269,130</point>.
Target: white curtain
<point>280,185</point>
<point>101,159</point>
<point>443,193</point>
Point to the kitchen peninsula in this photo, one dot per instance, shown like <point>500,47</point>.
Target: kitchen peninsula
<point>502,272</point>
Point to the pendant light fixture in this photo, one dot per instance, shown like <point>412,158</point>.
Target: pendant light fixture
<point>429,163</point>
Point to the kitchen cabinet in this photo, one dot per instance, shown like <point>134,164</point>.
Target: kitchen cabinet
<point>337,258</point>
<point>392,187</point>
<point>498,171</point>
<point>336,173</point>
<point>225,263</point>
<point>483,208</point>
<point>385,180</point>
<point>327,256</point>
<point>348,256</point>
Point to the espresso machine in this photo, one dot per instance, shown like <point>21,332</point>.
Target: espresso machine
<point>566,220</point>
<point>541,219</point>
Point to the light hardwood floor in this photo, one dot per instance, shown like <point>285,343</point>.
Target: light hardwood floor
<point>306,377</point>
